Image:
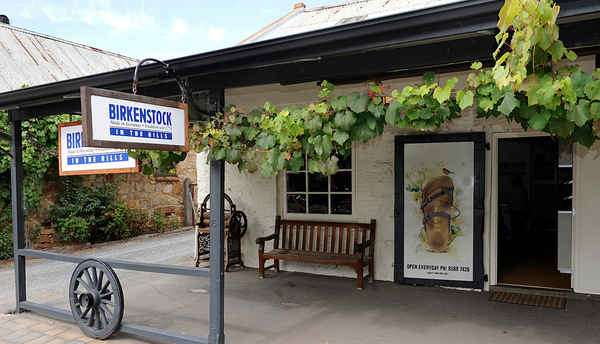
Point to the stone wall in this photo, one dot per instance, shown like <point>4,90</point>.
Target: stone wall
<point>155,195</point>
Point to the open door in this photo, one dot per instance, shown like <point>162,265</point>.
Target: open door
<point>534,213</point>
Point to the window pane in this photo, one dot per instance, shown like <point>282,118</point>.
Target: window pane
<point>317,204</point>
<point>296,182</point>
<point>317,182</point>
<point>341,182</point>
<point>296,203</point>
<point>346,164</point>
<point>341,204</point>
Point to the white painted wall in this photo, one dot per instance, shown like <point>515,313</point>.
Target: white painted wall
<point>374,185</point>
<point>586,230</point>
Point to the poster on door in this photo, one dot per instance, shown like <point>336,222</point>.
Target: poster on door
<point>438,214</point>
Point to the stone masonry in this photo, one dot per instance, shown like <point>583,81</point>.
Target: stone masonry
<point>155,195</point>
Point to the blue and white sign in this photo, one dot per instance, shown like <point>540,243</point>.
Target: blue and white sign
<point>76,159</point>
<point>122,120</point>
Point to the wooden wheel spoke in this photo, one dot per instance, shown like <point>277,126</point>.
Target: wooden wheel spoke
<point>103,317</point>
<point>100,277</point>
<point>105,287</point>
<point>84,283</point>
<point>106,310</point>
<point>90,281</point>
<point>106,302</point>
<point>94,277</point>
<point>91,319</point>
<point>97,321</point>
<point>85,313</point>
<point>105,295</point>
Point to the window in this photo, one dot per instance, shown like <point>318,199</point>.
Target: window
<point>310,193</point>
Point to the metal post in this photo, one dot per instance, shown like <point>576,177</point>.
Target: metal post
<point>217,234</point>
<point>18,215</point>
<point>188,203</point>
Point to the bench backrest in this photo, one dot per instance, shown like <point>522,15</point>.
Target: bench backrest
<point>330,237</point>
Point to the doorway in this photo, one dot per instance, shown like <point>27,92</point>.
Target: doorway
<point>531,192</point>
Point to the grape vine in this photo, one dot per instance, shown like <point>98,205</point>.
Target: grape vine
<point>534,82</point>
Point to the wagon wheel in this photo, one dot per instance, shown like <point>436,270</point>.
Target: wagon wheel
<point>240,220</point>
<point>96,299</point>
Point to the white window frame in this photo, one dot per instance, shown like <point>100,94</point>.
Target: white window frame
<point>317,217</point>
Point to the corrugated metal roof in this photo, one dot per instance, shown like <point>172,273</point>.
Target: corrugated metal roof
<point>30,58</point>
<point>304,20</point>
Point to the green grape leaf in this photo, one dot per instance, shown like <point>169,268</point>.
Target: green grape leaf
<point>465,99</point>
<point>341,137</point>
<point>220,154</point>
<point>371,122</point>
<point>394,113</point>
<point>539,120</point>
<point>428,77</point>
<point>595,110</point>
<point>509,103</point>
<point>476,65</point>
<point>296,163</point>
<point>250,133</point>
<point>265,141</point>
<point>580,81</point>
<point>561,127</point>
<point>580,114</point>
<point>584,135</point>
<point>344,119</point>
<point>314,123</point>
<point>330,166</point>
<point>233,131</point>
<point>358,102</point>
<point>339,103</point>
<point>378,110</point>
<point>485,103</point>
<point>557,50</point>
<point>277,160</point>
<point>361,131</point>
<point>592,90</point>
<point>266,169</point>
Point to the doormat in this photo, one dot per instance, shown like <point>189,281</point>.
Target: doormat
<point>529,300</point>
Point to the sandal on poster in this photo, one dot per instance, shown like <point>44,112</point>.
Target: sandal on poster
<point>438,191</point>
<point>437,229</point>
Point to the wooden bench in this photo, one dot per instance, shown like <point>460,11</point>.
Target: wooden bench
<point>350,244</point>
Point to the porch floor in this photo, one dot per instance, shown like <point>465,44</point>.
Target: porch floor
<point>302,308</point>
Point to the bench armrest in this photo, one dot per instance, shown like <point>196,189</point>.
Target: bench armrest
<point>261,241</point>
<point>361,247</point>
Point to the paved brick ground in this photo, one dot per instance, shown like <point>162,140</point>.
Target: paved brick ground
<point>27,328</point>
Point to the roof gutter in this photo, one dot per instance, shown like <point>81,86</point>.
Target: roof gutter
<point>448,18</point>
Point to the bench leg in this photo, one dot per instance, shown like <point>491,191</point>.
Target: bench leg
<point>261,267</point>
<point>371,271</point>
<point>277,265</point>
<point>359,272</point>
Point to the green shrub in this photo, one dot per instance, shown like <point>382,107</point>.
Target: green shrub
<point>163,224</point>
<point>117,226</point>
<point>138,221</point>
<point>92,214</point>
<point>6,244</point>
<point>73,228</point>
<point>86,213</point>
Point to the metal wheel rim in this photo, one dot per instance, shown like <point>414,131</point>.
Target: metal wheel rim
<point>241,220</point>
<point>96,299</point>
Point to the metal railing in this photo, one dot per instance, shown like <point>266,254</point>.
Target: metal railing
<point>215,273</point>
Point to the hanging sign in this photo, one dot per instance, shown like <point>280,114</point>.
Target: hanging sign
<point>439,219</point>
<point>121,120</point>
<point>74,158</point>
